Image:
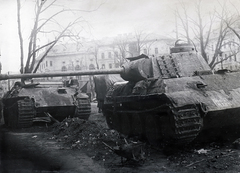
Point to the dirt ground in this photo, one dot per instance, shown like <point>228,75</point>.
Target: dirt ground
<point>89,146</point>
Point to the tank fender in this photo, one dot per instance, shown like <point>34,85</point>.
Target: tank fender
<point>184,99</point>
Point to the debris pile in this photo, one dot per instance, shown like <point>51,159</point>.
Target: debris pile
<point>78,133</point>
<point>205,160</point>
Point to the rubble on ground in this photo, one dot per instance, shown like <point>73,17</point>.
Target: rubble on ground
<point>103,144</point>
<point>78,133</point>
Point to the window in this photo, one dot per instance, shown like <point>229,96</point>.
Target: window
<point>117,65</point>
<point>64,68</point>
<point>156,50</point>
<point>46,63</point>
<point>110,66</point>
<point>103,66</point>
<point>116,54</point>
<point>109,55</point>
<point>145,51</point>
<point>77,67</point>
<point>102,55</point>
<point>51,63</point>
<point>91,67</point>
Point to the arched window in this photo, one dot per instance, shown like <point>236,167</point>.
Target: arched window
<point>91,67</point>
<point>77,67</point>
<point>64,68</point>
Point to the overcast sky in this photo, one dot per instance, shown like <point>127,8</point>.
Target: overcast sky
<point>113,17</point>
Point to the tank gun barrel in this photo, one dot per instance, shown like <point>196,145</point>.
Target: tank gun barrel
<point>40,75</point>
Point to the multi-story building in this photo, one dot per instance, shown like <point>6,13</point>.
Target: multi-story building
<point>229,55</point>
<point>108,53</point>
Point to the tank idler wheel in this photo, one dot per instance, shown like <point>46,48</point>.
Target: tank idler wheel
<point>152,130</point>
<point>125,127</point>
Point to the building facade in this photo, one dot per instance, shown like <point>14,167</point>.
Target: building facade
<point>229,55</point>
<point>104,54</point>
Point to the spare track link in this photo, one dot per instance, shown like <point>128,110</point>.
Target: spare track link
<point>26,113</point>
<point>187,124</point>
<point>83,109</point>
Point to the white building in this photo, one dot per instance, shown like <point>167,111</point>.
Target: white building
<point>104,54</point>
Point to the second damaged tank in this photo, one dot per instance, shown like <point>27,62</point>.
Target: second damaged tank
<point>172,98</point>
<point>36,102</point>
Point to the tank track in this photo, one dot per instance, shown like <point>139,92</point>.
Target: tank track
<point>26,113</point>
<point>21,114</point>
<point>179,126</point>
<point>83,109</point>
<point>187,124</point>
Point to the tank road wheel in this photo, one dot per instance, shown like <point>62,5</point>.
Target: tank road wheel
<point>83,108</point>
<point>125,126</point>
<point>137,125</point>
<point>152,130</point>
<point>112,118</point>
<point>5,116</point>
<point>21,114</point>
<point>116,122</point>
<point>108,116</point>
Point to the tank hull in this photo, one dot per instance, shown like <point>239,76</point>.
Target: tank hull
<point>175,110</point>
<point>31,103</point>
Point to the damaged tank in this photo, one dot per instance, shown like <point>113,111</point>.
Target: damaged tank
<point>25,104</point>
<point>172,98</point>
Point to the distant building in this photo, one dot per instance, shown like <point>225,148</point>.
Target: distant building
<point>230,51</point>
<point>108,53</point>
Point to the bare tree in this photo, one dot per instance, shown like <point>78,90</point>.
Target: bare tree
<point>203,32</point>
<point>20,34</point>
<point>95,52</point>
<point>184,21</point>
<point>141,40</point>
<point>39,27</point>
<point>122,44</point>
<point>232,20</point>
